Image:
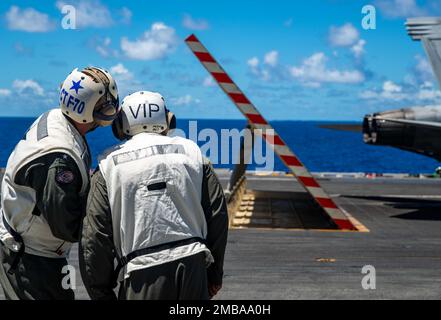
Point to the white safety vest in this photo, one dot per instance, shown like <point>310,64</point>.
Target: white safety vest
<point>50,133</point>
<point>154,185</point>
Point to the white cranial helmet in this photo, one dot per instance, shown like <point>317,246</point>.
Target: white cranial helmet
<point>90,95</point>
<point>142,111</point>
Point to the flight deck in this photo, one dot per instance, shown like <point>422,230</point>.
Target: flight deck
<point>280,248</point>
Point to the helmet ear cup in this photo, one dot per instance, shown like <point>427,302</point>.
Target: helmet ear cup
<point>105,115</point>
<point>171,123</point>
<point>117,128</point>
<point>171,120</point>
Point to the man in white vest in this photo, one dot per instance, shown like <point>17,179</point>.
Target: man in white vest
<point>157,207</point>
<point>44,189</point>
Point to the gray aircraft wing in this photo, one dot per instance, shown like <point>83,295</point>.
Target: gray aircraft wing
<point>424,124</point>
<point>428,31</point>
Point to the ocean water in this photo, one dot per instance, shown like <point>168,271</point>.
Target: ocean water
<point>321,150</point>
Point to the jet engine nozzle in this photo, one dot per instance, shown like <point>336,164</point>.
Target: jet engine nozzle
<point>379,131</point>
<point>369,129</point>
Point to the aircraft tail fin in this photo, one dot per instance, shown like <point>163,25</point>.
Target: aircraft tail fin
<point>428,31</point>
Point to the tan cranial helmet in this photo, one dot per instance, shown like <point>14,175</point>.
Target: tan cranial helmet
<point>90,96</point>
<point>143,111</point>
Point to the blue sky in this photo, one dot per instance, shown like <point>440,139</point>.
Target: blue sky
<point>294,60</point>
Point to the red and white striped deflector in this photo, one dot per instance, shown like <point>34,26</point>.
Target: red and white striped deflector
<point>279,146</point>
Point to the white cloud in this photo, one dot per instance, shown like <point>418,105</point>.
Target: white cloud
<point>119,69</point>
<point>125,79</point>
<point>314,71</point>
<point>29,20</point>
<point>344,36</point>
<point>102,46</point>
<point>427,92</point>
<point>416,87</point>
<point>423,65</point>
<point>155,43</point>
<point>209,82</point>
<point>5,92</point>
<point>26,87</point>
<point>193,24</point>
<point>423,69</point>
<point>121,73</point>
<point>271,58</point>
<point>184,100</point>
<point>358,48</point>
<point>391,91</point>
<point>256,70</point>
<point>400,8</point>
<point>347,36</point>
<point>90,14</point>
<point>369,94</point>
<point>253,62</point>
<point>391,87</point>
<point>420,73</point>
<point>126,15</point>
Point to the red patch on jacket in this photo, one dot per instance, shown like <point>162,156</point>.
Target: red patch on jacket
<point>65,177</point>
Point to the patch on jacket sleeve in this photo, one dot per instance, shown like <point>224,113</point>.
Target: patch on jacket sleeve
<point>64,176</point>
